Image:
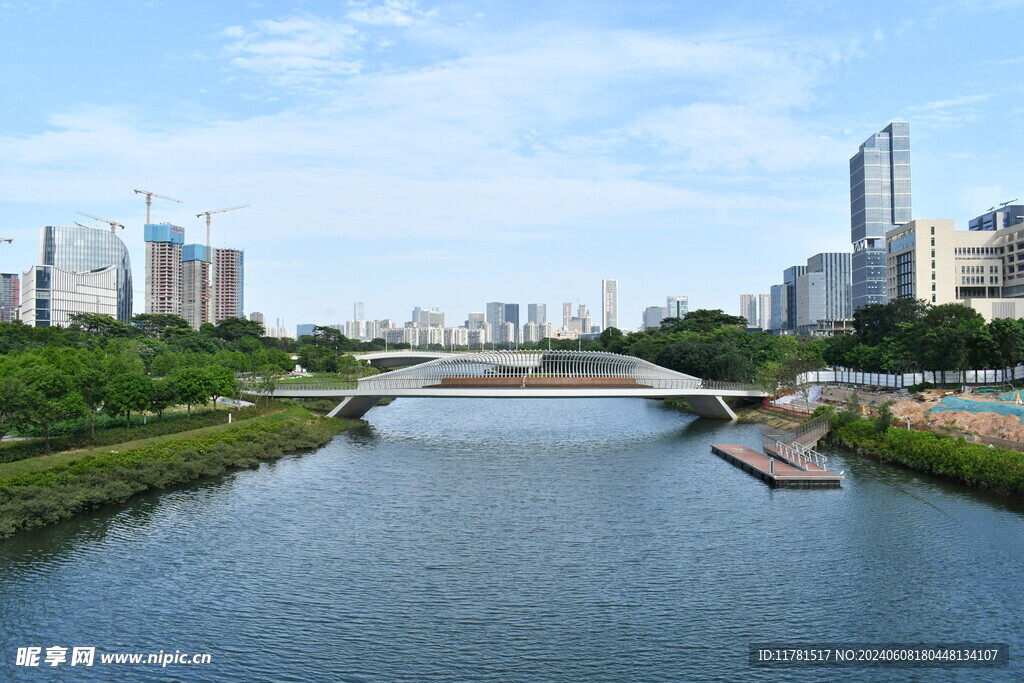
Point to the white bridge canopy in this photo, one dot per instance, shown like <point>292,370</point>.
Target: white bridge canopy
<point>527,374</point>
<point>532,364</point>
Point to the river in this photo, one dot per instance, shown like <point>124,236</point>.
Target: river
<point>527,540</point>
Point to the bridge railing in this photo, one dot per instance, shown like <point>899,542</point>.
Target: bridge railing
<point>383,382</point>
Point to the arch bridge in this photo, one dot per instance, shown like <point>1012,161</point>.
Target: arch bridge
<point>528,374</point>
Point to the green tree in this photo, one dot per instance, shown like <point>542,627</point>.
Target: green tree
<point>97,323</point>
<point>49,397</point>
<point>613,340</point>
<point>160,325</point>
<point>12,401</point>
<point>91,383</point>
<point>702,320</point>
<point>191,385</point>
<point>1007,338</point>
<point>162,397</point>
<point>128,392</point>
<point>233,329</point>
<point>220,382</point>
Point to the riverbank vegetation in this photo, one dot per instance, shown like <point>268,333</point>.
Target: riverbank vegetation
<point>954,458</point>
<point>52,488</point>
<point>65,384</point>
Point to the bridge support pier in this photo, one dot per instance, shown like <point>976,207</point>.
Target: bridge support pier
<point>354,407</point>
<point>711,406</point>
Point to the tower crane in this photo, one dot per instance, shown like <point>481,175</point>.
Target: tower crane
<point>149,199</point>
<point>6,239</point>
<point>113,224</point>
<point>209,256</point>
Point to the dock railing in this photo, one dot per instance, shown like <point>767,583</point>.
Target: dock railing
<point>798,454</point>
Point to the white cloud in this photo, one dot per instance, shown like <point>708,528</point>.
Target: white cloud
<point>389,13</point>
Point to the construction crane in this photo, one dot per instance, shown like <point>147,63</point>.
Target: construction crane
<point>1003,204</point>
<point>114,225</point>
<point>149,200</point>
<point>209,256</point>
<point>6,239</point>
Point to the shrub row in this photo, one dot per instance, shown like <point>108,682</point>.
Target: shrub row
<point>47,496</point>
<point>969,463</point>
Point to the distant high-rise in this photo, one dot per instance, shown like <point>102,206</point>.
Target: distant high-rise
<point>879,202</point>
<point>789,278</point>
<point>536,313</point>
<point>653,315</point>
<point>823,291</point>
<point>195,281</point>
<point>476,320</point>
<point>748,309</point>
<point>256,317</point>
<point>432,318</point>
<point>80,270</point>
<point>495,314</point>
<point>764,311</point>
<point>358,312</point>
<point>1005,216</point>
<point>609,304</point>
<point>83,250</point>
<point>10,296</point>
<point>566,314</point>
<point>779,308</point>
<point>512,314</point>
<point>228,284</point>
<point>164,273</point>
<point>678,306</point>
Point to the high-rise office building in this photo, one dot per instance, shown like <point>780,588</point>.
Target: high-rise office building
<point>764,311</point>
<point>778,308</point>
<point>823,291</point>
<point>495,314</point>
<point>677,306</point>
<point>748,309</point>
<point>164,274</point>
<point>1005,216</point>
<point>84,250</point>
<point>879,202</point>
<point>195,285</point>
<point>80,270</point>
<point>609,304</point>
<point>566,314</point>
<point>789,278</point>
<point>228,284</point>
<point>653,315</point>
<point>256,317</point>
<point>432,318</point>
<point>536,313</point>
<point>512,314</point>
<point>476,320</point>
<point>358,311</point>
<point>10,296</point>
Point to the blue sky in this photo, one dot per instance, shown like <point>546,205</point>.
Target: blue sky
<point>447,154</point>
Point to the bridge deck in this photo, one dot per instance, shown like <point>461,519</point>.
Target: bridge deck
<point>757,464</point>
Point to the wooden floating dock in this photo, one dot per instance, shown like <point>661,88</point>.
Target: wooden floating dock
<point>781,474</point>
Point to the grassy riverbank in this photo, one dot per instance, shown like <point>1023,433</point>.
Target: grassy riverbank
<point>47,489</point>
<point>969,463</point>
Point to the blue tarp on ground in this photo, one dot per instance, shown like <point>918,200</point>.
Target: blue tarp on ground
<point>1012,396</point>
<point>980,407</point>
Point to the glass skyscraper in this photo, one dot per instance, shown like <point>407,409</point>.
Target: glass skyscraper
<point>879,201</point>
<point>85,250</point>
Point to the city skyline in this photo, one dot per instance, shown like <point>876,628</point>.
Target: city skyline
<point>398,152</point>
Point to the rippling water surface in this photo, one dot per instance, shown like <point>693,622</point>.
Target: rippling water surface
<point>594,540</point>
